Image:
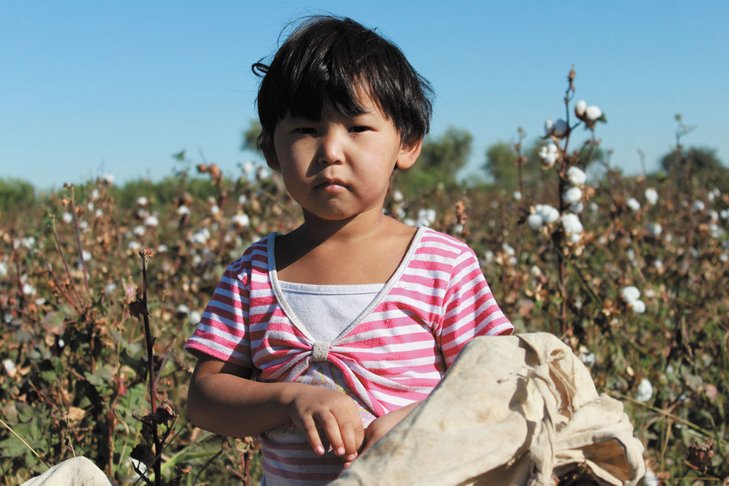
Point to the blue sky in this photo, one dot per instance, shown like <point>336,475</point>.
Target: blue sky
<point>89,87</point>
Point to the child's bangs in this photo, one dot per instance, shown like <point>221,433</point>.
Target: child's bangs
<point>331,83</point>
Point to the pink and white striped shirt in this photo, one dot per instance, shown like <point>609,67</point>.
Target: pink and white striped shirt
<point>393,354</point>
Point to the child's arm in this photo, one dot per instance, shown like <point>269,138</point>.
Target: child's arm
<point>223,400</point>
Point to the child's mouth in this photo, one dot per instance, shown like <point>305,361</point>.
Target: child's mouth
<point>331,186</point>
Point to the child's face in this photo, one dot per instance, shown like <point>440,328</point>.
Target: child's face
<point>339,167</point>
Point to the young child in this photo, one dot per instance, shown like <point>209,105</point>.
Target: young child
<point>319,341</point>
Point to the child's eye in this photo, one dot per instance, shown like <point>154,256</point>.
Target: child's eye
<point>359,129</point>
<point>304,131</point>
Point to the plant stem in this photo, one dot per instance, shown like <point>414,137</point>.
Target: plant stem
<point>150,368</point>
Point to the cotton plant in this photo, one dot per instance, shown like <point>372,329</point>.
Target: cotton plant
<point>559,221</point>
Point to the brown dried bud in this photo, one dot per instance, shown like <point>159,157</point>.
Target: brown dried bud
<point>215,172</point>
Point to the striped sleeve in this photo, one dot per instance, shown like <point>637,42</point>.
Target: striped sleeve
<point>222,332</point>
<point>469,308</point>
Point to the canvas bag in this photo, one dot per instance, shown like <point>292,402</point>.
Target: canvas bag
<point>519,410</point>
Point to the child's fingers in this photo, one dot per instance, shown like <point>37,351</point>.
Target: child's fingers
<point>349,439</point>
<point>312,435</point>
<point>328,424</point>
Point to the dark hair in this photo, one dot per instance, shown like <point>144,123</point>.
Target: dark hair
<point>324,60</point>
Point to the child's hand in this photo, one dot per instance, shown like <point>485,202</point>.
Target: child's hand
<point>382,425</point>
<point>315,409</point>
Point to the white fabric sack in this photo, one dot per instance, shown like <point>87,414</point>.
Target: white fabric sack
<point>78,471</point>
<point>519,410</point>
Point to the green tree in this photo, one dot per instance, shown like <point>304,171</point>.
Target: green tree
<point>439,162</point>
<point>700,160</point>
<point>695,167</point>
<point>16,194</point>
<point>250,136</point>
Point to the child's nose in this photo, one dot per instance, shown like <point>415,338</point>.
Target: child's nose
<point>331,150</point>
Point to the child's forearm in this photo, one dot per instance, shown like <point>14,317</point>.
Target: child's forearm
<point>230,405</point>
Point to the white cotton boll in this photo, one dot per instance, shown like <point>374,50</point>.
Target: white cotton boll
<point>658,264</point>
<point>630,253</point>
<point>28,242</point>
<point>90,206</point>
<point>535,271</point>
<point>409,222</point>
<point>458,228</point>
<point>151,220</point>
<point>575,237</point>
<point>182,309</point>
<point>576,176</point>
<point>108,179</point>
<point>571,224</point>
<point>630,294</point>
<point>650,478</point>
<point>99,213</point>
<point>594,207</point>
<point>142,201</point>
<point>535,221</point>
<point>549,154</point>
<point>241,220</point>
<point>183,210</point>
<point>162,249</point>
<point>242,199</point>
<point>587,357</point>
<point>724,214</point>
<point>488,256</point>
<point>248,167</point>
<point>3,269</point>
<point>86,255</point>
<point>724,258</point>
<point>548,213</point>
<point>214,209</point>
<point>28,289</point>
<point>714,216</point>
<point>397,196</point>
<point>559,128</point>
<point>195,317</point>
<point>593,113</point>
<point>651,195</point>
<point>580,108</point>
<point>134,245</point>
<point>201,236</point>
<point>698,206</point>
<point>572,195</point>
<point>516,195</point>
<point>633,204</point>
<point>67,217</point>
<point>9,367</point>
<point>109,288</point>
<point>83,225</point>
<point>655,229</point>
<point>577,208</point>
<point>508,249</point>
<point>138,230</point>
<point>95,194</point>
<point>426,217</point>
<point>715,231</point>
<point>548,126</point>
<point>644,391</point>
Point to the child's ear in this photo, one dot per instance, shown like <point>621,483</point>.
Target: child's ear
<point>271,159</point>
<point>409,153</point>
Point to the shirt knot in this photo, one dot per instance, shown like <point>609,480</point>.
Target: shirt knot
<point>320,352</point>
